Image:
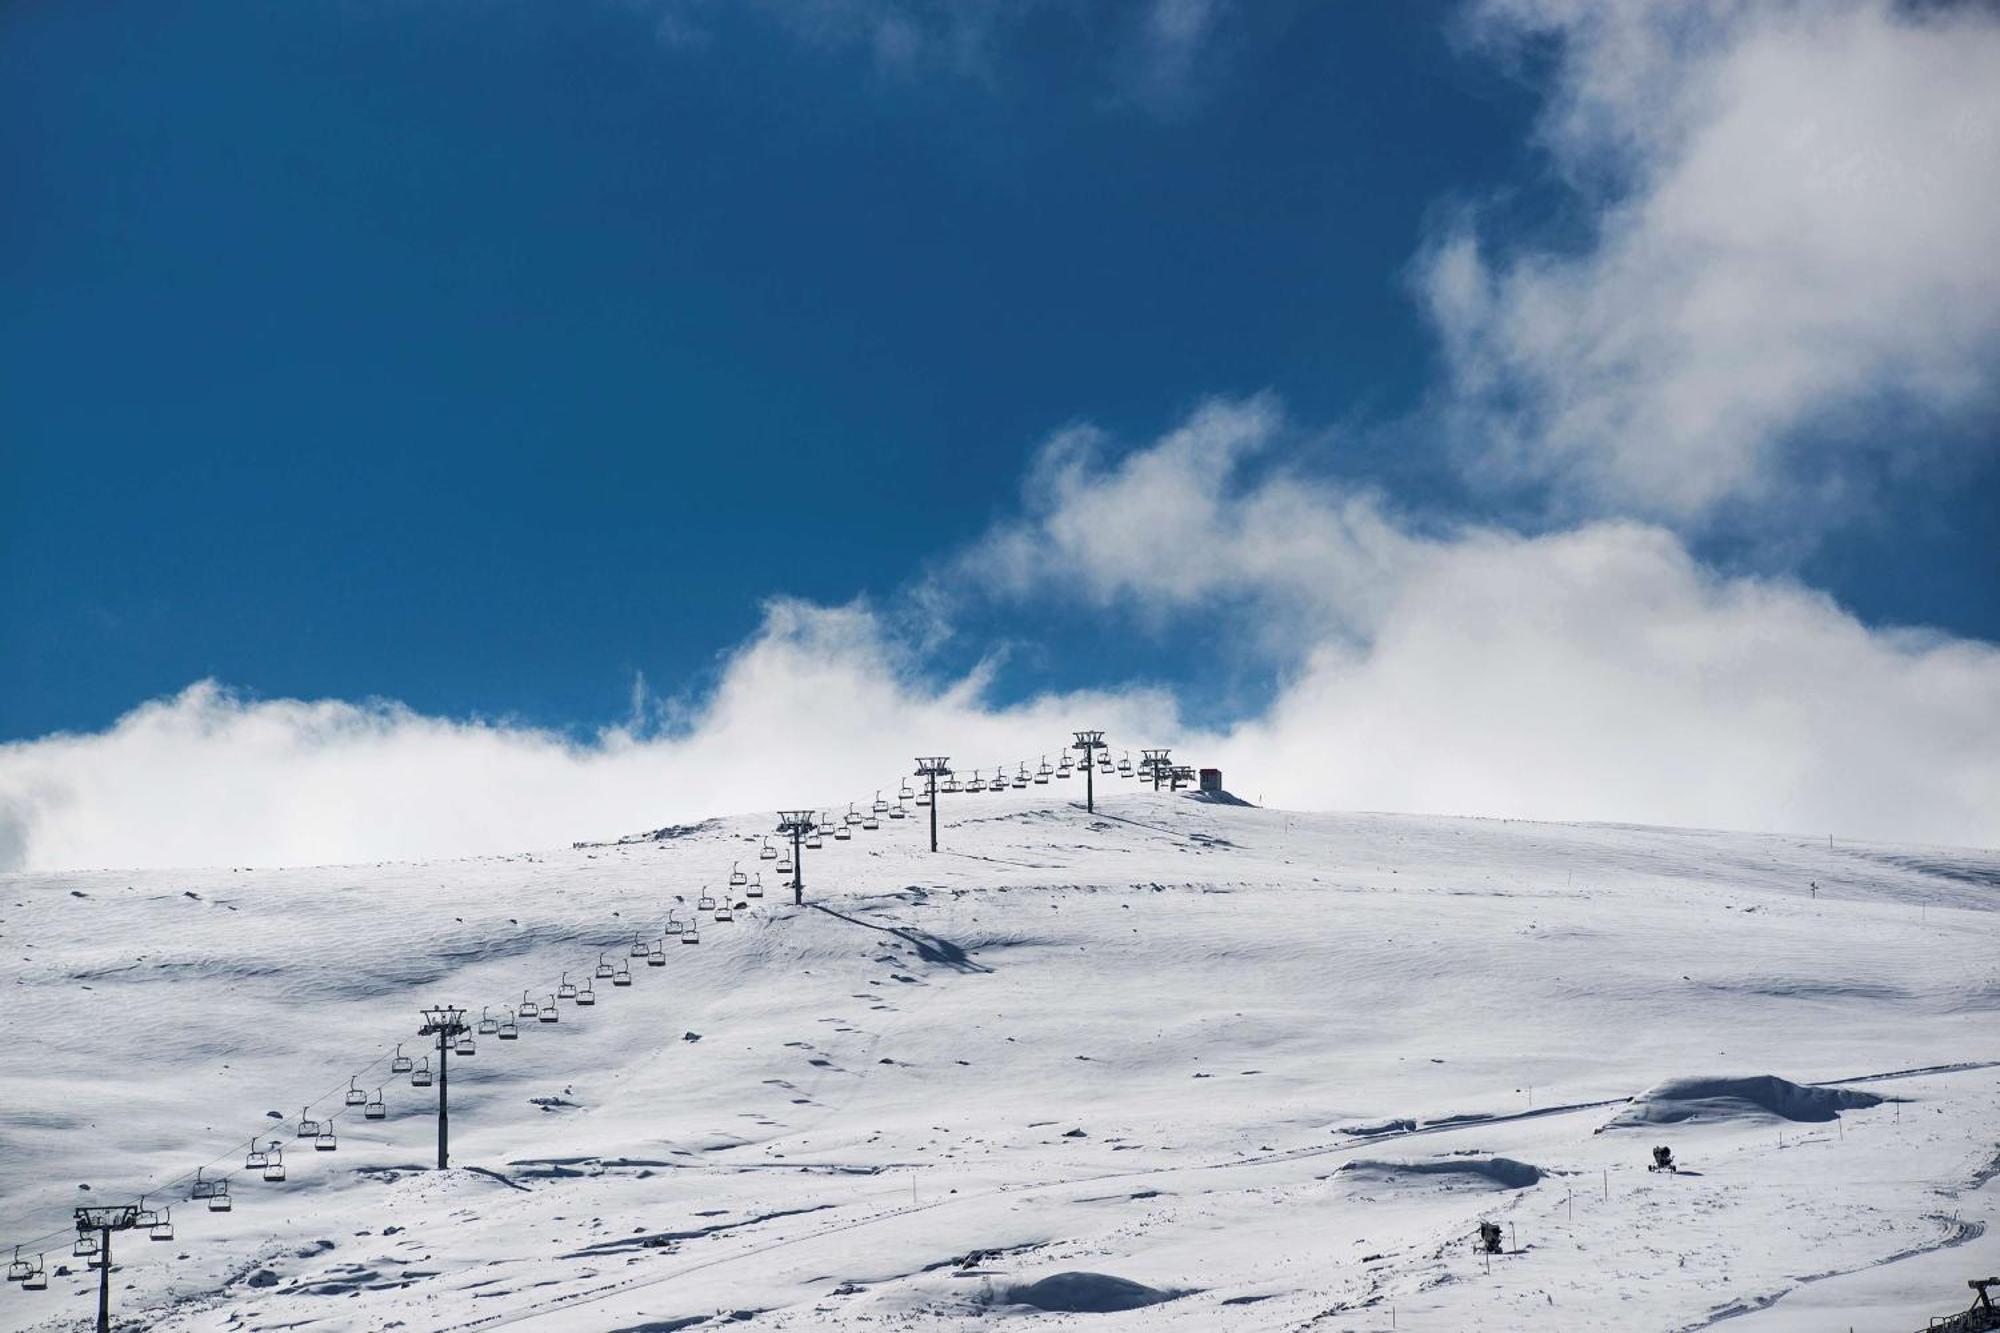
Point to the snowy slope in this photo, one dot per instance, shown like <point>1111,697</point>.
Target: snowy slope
<point>1143,1044</point>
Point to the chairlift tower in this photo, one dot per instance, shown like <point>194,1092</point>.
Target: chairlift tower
<point>447,1024</point>
<point>930,768</point>
<point>1179,775</point>
<point>1157,763</point>
<point>796,824</point>
<point>1089,742</point>
<point>102,1222</point>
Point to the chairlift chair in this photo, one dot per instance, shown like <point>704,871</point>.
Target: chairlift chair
<point>528,1008</point>
<point>549,1013</point>
<point>489,1026</point>
<point>144,1216</point>
<point>638,949</point>
<point>421,1077</point>
<point>96,1259</point>
<point>162,1227</point>
<point>622,976</point>
<point>220,1201</point>
<point>274,1162</point>
<point>723,912</point>
<point>737,879</point>
<point>604,969</point>
<point>784,866</point>
<point>975,783</point>
<point>843,833</point>
<point>852,816</point>
<point>692,933</point>
<point>326,1142</point>
<point>254,1159</point>
<point>509,1029</point>
<point>706,902</point>
<point>1125,765</point>
<point>402,1064</point>
<point>37,1278</point>
<point>375,1108</point>
<point>567,989</point>
<point>1063,768</point>
<point>86,1245</point>
<point>586,995</point>
<point>905,792</point>
<point>355,1096</point>
<point>923,798</point>
<point>201,1188</point>
<point>869,823</point>
<point>657,952</point>
<point>899,811</point>
<point>18,1270</point>
<point>950,783</point>
<point>813,843</point>
<point>307,1128</point>
<point>881,806</point>
<point>755,888</point>
<point>1021,778</point>
<point>465,1045</point>
<point>767,852</point>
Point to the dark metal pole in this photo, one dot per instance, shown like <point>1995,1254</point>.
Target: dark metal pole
<point>798,866</point>
<point>933,796</point>
<point>444,1108</point>
<point>1090,781</point>
<point>104,1283</point>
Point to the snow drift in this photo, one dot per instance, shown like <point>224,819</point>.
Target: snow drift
<point>1763,1097</point>
<point>1478,1172</point>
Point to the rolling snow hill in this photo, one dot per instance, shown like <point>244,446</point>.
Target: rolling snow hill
<point>1178,1065</point>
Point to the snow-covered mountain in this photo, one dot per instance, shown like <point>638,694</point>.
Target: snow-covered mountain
<point>1266,1070</point>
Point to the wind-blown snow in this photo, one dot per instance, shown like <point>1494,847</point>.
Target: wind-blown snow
<point>1139,1045</point>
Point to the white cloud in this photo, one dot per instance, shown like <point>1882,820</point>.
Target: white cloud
<point>1600,673</point>
<point>1794,211</point>
<point>820,706</point>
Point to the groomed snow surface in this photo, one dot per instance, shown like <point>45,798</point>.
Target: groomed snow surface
<point>1180,1065</point>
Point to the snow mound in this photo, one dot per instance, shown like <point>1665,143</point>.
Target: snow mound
<point>1760,1097</point>
<point>1086,1293</point>
<point>1481,1172</point>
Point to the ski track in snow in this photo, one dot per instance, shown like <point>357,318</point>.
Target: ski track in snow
<point>1124,1042</point>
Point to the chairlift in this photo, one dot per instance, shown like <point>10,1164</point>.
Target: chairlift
<point>1125,765</point>
<point>142,1216</point>
<point>375,1108</point>
<point>905,793</point>
<point>755,889</point>
<point>1021,778</point>
<point>692,934</point>
<point>1063,768</point>
<point>975,783</point>
<point>422,1077</point>
<point>567,989</point>
<point>402,1064</point>
<point>509,1029</point>
<point>869,823</point>
<point>813,843</point>
<point>723,912</point>
<point>656,955</point>
<point>307,1128</point>
<point>355,1096</point>
<point>950,783</point>
<point>767,852</point>
<point>586,995</point>
<point>220,1202</point>
<point>18,1270</point>
<point>638,949</point>
<point>705,903</point>
<point>325,1142</point>
<point>881,806</point>
<point>97,1259</point>
<point>528,1008</point>
<point>162,1227</point>
<point>37,1278</point>
<point>201,1188</point>
<point>923,798</point>
<point>465,1045</point>
<point>622,976</point>
<point>843,833</point>
<point>737,879</point>
<point>603,969</point>
<point>784,866</point>
<point>86,1245</point>
<point>488,1025</point>
<point>899,811</point>
<point>549,1013</point>
<point>274,1166</point>
<point>254,1159</point>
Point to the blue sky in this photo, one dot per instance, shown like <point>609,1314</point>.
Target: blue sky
<point>484,357</point>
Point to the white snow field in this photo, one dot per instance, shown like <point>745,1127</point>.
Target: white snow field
<point>1262,1070</point>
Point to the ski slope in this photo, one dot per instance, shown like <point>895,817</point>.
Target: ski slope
<point>1275,1067</point>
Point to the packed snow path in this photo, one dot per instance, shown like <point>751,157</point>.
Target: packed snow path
<point>1139,1045</point>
